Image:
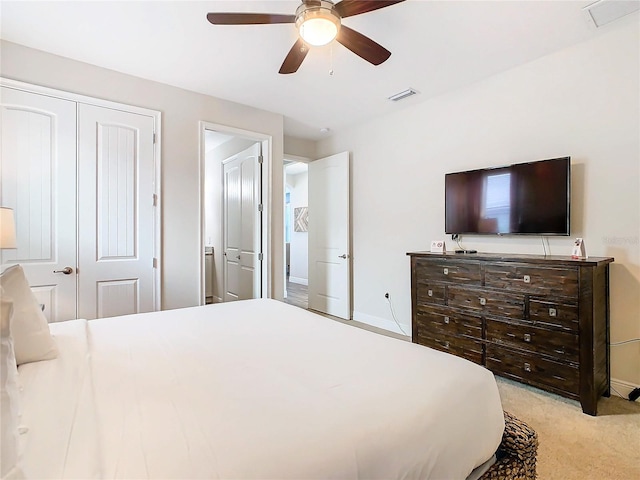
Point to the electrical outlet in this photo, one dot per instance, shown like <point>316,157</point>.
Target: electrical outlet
<point>386,295</point>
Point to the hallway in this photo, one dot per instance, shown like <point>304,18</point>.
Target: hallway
<point>297,295</point>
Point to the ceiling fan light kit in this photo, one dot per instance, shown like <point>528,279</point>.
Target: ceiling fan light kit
<point>318,22</point>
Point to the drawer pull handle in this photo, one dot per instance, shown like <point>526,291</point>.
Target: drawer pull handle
<point>483,301</point>
<point>430,293</point>
<point>527,367</point>
<point>446,320</point>
<point>446,271</point>
<point>527,279</point>
<point>527,337</point>
<point>553,312</point>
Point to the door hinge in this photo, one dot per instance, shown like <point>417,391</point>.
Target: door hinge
<point>155,262</point>
<point>260,207</point>
<point>155,200</point>
<point>260,256</point>
<point>260,158</point>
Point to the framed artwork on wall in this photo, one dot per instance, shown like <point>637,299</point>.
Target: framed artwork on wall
<point>301,219</point>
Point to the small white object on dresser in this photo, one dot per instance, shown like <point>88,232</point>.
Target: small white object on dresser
<point>578,249</point>
<point>438,246</point>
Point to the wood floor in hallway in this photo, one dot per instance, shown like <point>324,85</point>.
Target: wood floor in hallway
<point>297,295</point>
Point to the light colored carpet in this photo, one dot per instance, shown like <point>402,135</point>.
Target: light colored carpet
<point>574,445</point>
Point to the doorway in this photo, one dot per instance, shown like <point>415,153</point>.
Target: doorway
<point>234,206</point>
<point>296,232</point>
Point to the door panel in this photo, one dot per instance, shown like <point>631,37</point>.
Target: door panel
<point>118,297</point>
<point>115,212</point>
<point>38,180</point>
<point>329,255</point>
<point>242,225</point>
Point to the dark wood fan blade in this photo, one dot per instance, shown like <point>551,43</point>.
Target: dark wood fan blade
<point>362,46</point>
<point>349,8</point>
<point>248,18</point>
<point>294,58</point>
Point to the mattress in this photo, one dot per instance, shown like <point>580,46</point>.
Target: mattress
<point>252,389</point>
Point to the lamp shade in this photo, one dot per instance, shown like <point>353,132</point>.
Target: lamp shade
<point>317,22</point>
<point>7,228</point>
<point>318,31</point>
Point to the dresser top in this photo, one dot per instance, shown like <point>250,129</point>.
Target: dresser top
<point>512,257</point>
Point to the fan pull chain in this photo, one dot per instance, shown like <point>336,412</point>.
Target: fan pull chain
<point>331,59</point>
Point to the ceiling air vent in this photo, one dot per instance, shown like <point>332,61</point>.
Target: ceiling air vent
<point>606,11</point>
<point>402,95</point>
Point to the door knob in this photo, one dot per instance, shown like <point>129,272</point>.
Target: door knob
<point>65,270</point>
<point>344,255</point>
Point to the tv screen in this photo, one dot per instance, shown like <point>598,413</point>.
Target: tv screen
<point>521,199</point>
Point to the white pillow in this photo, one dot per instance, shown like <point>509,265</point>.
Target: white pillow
<point>9,396</point>
<point>32,340</point>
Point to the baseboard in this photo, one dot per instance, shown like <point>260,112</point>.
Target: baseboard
<point>299,281</point>
<point>622,388</point>
<point>379,322</point>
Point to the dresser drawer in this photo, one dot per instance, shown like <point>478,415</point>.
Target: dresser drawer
<point>444,270</point>
<point>534,370</point>
<point>472,350</point>
<point>484,301</point>
<point>562,345</point>
<point>449,322</point>
<point>529,279</point>
<point>431,294</point>
<point>556,314</point>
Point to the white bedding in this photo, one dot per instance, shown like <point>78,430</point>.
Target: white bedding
<point>252,389</point>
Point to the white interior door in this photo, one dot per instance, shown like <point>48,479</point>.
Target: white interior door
<point>329,254</point>
<point>242,225</point>
<point>38,180</point>
<point>115,212</point>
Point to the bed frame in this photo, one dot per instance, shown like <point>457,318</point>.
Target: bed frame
<point>516,455</point>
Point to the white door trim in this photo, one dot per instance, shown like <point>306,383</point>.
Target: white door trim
<point>267,154</point>
<point>157,122</point>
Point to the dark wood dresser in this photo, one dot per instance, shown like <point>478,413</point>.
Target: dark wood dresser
<point>540,320</point>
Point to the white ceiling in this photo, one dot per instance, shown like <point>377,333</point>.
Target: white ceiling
<point>436,46</point>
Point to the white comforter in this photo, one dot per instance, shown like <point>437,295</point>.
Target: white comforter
<point>253,389</point>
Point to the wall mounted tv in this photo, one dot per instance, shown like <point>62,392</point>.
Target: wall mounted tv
<point>520,199</point>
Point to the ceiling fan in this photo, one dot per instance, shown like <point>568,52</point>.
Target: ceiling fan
<point>318,23</point>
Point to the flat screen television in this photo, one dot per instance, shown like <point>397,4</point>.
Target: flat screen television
<point>520,199</point>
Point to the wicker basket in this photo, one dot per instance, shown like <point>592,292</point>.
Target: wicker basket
<point>516,455</point>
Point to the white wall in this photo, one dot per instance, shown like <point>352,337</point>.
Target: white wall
<point>299,147</point>
<point>181,112</point>
<point>299,249</point>
<point>583,102</point>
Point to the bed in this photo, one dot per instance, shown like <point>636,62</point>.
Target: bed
<point>258,389</point>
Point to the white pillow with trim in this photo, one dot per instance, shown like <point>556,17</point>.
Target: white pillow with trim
<point>32,340</point>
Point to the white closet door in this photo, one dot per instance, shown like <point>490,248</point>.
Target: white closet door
<point>242,226</point>
<point>38,180</point>
<point>115,212</point>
